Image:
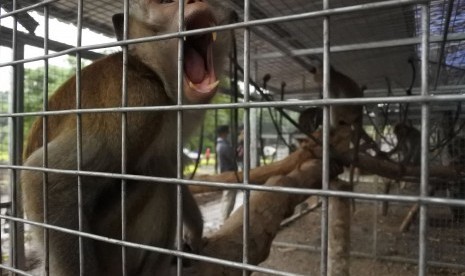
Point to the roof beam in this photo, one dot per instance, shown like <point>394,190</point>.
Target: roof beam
<point>283,47</point>
<point>6,35</point>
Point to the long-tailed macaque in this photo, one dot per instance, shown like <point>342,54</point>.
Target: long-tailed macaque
<point>341,86</point>
<point>310,119</point>
<point>408,145</point>
<point>151,144</point>
<point>456,150</point>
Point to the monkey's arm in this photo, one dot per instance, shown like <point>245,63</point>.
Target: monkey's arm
<point>192,220</point>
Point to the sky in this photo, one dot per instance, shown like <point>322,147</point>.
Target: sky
<point>58,31</point>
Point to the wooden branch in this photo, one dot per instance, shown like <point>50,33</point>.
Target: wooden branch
<point>258,175</point>
<point>395,171</point>
<point>339,221</point>
<point>267,210</point>
<point>411,215</point>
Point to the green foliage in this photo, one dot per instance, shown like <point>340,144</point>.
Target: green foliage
<point>34,85</point>
<point>33,95</point>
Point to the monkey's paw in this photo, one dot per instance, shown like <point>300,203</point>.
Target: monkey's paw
<point>192,244</point>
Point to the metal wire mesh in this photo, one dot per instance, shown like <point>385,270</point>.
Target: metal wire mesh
<point>270,41</point>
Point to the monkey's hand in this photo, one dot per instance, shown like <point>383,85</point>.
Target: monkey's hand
<point>192,242</point>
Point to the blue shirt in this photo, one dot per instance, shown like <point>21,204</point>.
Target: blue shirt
<point>225,155</point>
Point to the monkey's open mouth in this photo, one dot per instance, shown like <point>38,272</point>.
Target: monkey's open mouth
<point>198,57</point>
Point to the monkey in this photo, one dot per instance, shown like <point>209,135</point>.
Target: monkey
<point>408,144</point>
<point>151,144</point>
<point>408,147</point>
<point>342,86</point>
<point>456,150</point>
<point>310,119</point>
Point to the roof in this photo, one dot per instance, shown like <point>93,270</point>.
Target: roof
<point>286,50</point>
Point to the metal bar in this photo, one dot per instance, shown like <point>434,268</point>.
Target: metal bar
<point>28,8</point>
<point>314,102</point>
<point>250,23</point>
<point>19,138</point>
<point>79,136</point>
<point>152,248</point>
<point>443,42</point>
<point>2,205</point>
<point>425,110</point>
<point>246,172</point>
<point>179,140</point>
<point>14,270</point>
<point>326,128</point>
<point>124,141</point>
<point>45,186</point>
<point>261,188</point>
<point>13,147</point>
<point>360,46</point>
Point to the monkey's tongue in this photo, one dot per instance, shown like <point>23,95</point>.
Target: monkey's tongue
<point>199,70</point>
<point>194,65</point>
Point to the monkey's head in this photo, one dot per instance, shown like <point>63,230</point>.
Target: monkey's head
<point>203,53</point>
<point>401,129</point>
<point>317,70</point>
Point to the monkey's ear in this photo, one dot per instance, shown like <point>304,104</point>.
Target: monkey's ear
<point>118,25</point>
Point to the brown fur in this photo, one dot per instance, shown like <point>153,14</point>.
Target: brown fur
<point>151,150</point>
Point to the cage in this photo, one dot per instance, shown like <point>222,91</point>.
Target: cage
<point>84,170</point>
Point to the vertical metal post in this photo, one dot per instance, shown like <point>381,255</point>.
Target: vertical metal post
<point>425,109</point>
<point>216,138</point>
<point>326,129</point>
<point>254,160</point>
<point>18,148</point>
<point>179,114</point>
<point>124,126</point>
<point>45,143</point>
<point>245,248</point>
<point>79,135</point>
<point>13,145</point>
<point>1,251</point>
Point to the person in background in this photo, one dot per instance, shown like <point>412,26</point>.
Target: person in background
<point>227,162</point>
<point>207,155</point>
<point>240,150</point>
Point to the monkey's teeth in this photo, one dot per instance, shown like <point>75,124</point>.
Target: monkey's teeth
<point>206,89</point>
<point>214,36</point>
<point>213,85</point>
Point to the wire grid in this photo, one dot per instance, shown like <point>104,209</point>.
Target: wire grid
<point>409,199</point>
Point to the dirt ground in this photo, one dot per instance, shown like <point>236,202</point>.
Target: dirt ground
<point>378,248</point>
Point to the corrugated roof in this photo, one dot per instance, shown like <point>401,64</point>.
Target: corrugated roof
<point>372,67</point>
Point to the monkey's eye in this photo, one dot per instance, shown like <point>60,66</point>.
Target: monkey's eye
<point>165,1</point>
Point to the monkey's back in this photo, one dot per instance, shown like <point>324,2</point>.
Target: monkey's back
<point>101,86</point>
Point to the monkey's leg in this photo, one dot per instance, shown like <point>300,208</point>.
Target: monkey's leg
<point>151,220</point>
<point>356,142</point>
<point>62,208</point>
<point>192,220</point>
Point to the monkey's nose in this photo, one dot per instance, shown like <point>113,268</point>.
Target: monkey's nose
<point>192,1</point>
